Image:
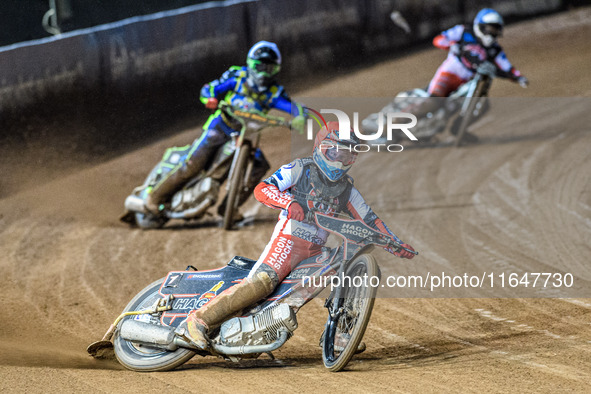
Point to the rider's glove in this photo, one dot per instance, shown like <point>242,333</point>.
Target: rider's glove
<point>298,123</point>
<point>522,81</point>
<point>403,253</point>
<point>212,103</point>
<point>295,212</point>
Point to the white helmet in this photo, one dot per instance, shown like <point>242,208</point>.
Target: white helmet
<point>488,25</point>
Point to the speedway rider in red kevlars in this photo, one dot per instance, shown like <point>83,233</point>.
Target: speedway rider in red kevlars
<point>316,183</point>
<point>468,46</point>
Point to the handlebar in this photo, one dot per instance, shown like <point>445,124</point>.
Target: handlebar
<point>357,232</point>
<point>242,115</point>
<point>399,247</point>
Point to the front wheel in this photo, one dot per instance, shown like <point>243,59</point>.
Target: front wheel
<point>477,106</point>
<point>237,182</point>
<point>344,332</point>
<point>141,357</point>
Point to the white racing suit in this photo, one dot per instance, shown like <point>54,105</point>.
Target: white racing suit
<point>294,241</point>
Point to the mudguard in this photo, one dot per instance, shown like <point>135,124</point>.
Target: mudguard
<point>193,289</point>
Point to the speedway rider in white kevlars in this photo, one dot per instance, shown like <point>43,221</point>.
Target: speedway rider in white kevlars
<point>316,183</point>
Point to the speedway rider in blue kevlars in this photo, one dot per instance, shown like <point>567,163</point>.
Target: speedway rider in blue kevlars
<point>313,184</point>
<point>469,46</point>
<point>249,87</point>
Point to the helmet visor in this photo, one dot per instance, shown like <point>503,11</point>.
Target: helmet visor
<point>492,29</point>
<point>335,152</point>
<point>264,68</point>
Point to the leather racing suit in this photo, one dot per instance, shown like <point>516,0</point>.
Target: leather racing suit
<point>233,88</point>
<point>293,241</point>
<point>465,54</point>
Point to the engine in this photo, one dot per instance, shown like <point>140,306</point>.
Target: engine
<point>200,196</point>
<point>258,329</point>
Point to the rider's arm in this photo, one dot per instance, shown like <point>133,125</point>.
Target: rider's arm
<point>449,37</point>
<point>282,102</point>
<point>221,86</point>
<point>505,68</point>
<point>359,209</point>
<point>272,192</point>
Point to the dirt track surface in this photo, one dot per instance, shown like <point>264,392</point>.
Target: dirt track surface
<point>69,267</point>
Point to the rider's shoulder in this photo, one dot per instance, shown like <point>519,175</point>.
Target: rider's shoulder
<point>277,90</point>
<point>235,72</point>
<point>294,165</point>
<point>298,166</point>
<point>455,32</point>
<point>467,34</point>
<point>304,161</point>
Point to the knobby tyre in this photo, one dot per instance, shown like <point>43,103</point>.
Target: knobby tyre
<point>144,358</point>
<point>344,334</point>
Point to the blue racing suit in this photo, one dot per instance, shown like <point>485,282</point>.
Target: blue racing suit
<point>234,88</point>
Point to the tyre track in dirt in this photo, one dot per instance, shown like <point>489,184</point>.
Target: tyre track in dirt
<point>521,198</point>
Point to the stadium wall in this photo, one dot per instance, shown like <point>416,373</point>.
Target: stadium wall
<point>159,62</point>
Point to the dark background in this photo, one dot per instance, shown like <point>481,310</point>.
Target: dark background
<point>73,81</point>
<point>21,19</point>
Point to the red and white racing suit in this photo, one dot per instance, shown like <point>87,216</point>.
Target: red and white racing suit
<point>293,241</point>
<point>465,54</point>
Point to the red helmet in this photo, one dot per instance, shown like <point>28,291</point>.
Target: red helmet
<point>333,155</point>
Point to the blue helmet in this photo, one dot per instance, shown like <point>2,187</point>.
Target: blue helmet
<point>263,63</point>
<point>488,25</point>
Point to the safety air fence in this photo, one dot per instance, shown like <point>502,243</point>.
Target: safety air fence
<point>180,50</point>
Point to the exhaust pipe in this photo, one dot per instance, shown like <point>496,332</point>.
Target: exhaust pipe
<point>152,334</point>
<point>166,338</point>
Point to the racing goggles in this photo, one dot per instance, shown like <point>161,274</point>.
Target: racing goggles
<point>492,29</point>
<point>263,68</point>
<point>338,152</point>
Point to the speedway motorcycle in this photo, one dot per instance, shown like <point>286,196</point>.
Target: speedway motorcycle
<point>149,336</point>
<point>458,111</point>
<point>232,162</point>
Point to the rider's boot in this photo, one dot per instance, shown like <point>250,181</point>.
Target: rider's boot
<point>166,187</point>
<point>226,304</point>
<point>201,151</point>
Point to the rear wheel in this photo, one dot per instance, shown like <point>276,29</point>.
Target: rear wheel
<point>237,182</point>
<point>344,333</point>
<point>141,357</point>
